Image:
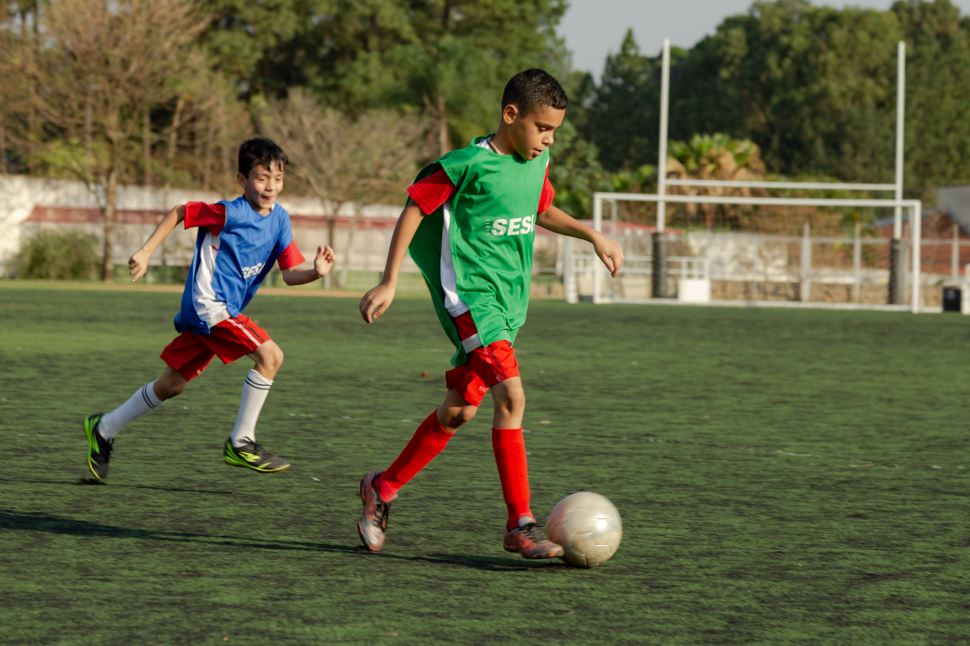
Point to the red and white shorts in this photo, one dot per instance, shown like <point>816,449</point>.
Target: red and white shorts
<point>189,353</point>
<point>485,367</point>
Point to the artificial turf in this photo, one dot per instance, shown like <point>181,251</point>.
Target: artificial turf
<point>783,476</point>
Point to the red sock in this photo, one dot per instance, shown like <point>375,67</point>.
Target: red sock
<point>428,441</point>
<point>513,470</point>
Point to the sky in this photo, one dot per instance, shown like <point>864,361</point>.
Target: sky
<point>594,28</point>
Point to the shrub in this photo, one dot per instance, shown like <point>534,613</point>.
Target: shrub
<point>59,255</point>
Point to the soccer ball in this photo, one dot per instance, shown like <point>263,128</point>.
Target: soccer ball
<point>588,527</point>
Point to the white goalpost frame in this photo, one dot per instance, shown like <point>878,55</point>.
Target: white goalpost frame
<point>913,206</point>
<point>662,197</point>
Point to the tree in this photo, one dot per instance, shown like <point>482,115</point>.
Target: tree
<point>447,59</point>
<point>814,87</point>
<point>345,160</point>
<point>102,69</point>
<point>938,113</point>
<point>719,157</point>
<point>267,47</point>
<point>19,35</point>
<point>619,117</point>
<point>575,171</point>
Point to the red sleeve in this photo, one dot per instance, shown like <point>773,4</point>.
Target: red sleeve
<point>290,258</point>
<point>548,192</point>
<point>210,216</point>
<point>432,191</point>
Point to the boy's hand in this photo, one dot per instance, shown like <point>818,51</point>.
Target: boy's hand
<point>610,252</point>
<point>323,262</point>
<point>138,264</point>
<point>375,302</point>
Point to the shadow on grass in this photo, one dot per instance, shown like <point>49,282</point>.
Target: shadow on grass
<point>115,485</point>
<point>42,522</point>
<point>493,563</point>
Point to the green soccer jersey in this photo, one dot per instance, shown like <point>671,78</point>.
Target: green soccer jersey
<point>475,251</point>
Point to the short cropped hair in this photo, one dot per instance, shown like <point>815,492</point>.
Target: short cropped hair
<point>534,88</point>
<point>260,150</point>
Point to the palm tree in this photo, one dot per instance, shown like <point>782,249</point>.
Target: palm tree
<point>714,156</point>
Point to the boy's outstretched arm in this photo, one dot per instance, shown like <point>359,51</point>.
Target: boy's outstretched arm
<point>376,301</point>
<point>558,221</point>
<point>138,263</point>
<point>322,264</point>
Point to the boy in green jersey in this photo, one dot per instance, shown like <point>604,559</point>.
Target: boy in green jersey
<point>469,225</point>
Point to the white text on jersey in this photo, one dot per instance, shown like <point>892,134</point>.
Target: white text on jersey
<point>512,226</point>
<point>249,272</point>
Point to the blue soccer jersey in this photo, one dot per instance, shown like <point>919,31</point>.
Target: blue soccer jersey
<point>234,251</point>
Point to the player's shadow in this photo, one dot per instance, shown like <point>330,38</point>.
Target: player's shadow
<point>115,485</point>
<point>41,522</point>
<point>493,563</point>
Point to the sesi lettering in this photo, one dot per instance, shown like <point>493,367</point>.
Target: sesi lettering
<point>513,226</point>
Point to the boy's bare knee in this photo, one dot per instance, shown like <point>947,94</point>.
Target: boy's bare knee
<point>511,401</point>
<point>268,359</point>
<point>168,388</point>
<point>454,416</point>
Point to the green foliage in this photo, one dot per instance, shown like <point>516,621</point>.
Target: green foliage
<point>58,255</point>
<point>717,156</point>
<point>813,86</point>
<point>575,172</point>
<point>636,180</point>
<point>619,124</point>
<point>449,60</point>
<point>938,113</point>
<point>266,47</point>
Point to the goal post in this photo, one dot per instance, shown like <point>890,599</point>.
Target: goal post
<point>654,260</point>
<point>759,259</point>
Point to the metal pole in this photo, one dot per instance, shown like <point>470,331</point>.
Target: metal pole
<point>598,225</point>
<point>900,133</point>
<point>658,277</point>
<point>895,245</point>
<point>955,255</point>
<point>658,283</point>
<point>857,264</point>
<point>805,288</point>
<point>662,153</point>
<point>917,229</point>
<point>569,280</point>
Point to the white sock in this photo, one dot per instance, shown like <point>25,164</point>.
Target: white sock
<point>255,389</point>
<point>141,401</point>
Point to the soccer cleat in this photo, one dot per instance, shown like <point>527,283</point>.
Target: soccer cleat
<point>252,456</point>
<point>99,449</point>
<point>372,524</point>
<point>530,541</point>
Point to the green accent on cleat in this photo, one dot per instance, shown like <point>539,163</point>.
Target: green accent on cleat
<point>253,456</point>
<point>99,449</point>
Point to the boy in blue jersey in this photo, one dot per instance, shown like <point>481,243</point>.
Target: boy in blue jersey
<point>237,244</point>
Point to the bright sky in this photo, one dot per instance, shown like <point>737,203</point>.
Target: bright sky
<point>595,28</point>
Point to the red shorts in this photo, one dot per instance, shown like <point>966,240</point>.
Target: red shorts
<point>485,367</point>
<point>189,353</point>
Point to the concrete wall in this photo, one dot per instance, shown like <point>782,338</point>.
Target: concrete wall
<point>34,204</point>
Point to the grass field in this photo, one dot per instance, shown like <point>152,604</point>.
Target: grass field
<point>784,476</point>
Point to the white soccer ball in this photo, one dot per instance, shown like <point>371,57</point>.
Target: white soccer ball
<point>588,527</point>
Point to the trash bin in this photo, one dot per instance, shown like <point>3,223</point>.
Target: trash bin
<point>952,299</point>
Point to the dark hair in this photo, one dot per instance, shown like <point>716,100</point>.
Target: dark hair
<point>260,150</point>
<point>534,88</point>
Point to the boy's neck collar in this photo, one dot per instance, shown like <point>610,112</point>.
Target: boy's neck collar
<point>500,148</point>
<point>255,207</point>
